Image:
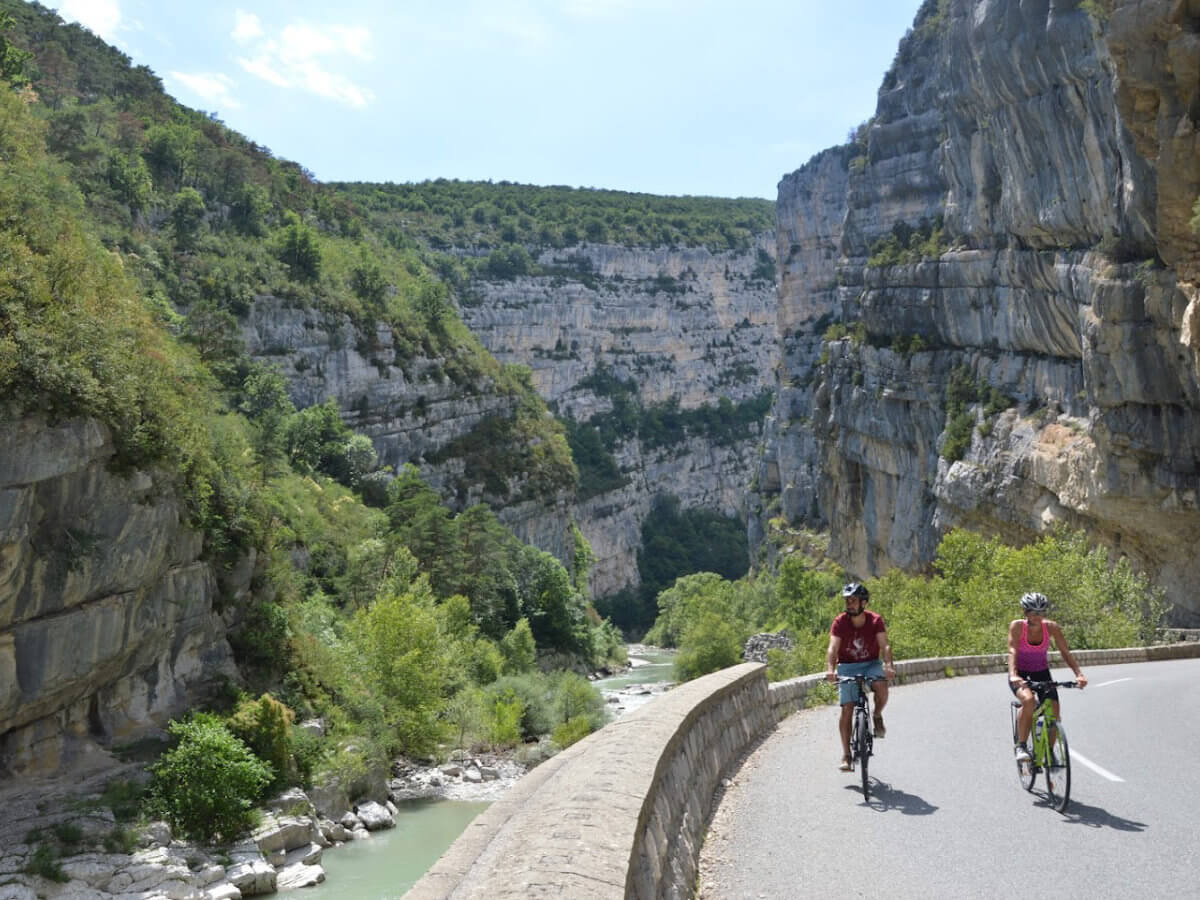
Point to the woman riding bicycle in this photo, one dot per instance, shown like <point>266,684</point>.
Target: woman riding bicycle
<point>1028,660</point>
<point>856,640</point>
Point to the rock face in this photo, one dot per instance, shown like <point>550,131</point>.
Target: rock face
<point>1060,154</point>
<point>689,324</point>
<point>107,625</point>
<point>685,324</point>
<point>411,405</point>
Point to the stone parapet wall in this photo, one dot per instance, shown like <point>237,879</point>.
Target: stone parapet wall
<point>622,813</point>
<point>619,814</point>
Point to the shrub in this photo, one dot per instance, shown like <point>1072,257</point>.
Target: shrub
<point>265,726</point>
<point>44,862</point>
<point>503,718</point>
<point>710,644</point>
<point>207,785</point>
<point>536,696</point>
<point>124,798</point>
<point>571,731</point>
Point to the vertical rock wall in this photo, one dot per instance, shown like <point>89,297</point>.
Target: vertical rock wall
<point>687,323</point>
<point>107,625</point>
<point>1059,155</point>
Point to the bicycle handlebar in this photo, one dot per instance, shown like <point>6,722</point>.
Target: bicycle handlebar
<point>854,679</point>
<point>1047,684</point>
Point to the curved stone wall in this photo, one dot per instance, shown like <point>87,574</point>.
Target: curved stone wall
<point>622,813</point>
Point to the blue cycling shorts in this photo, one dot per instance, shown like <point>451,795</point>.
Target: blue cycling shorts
<point>847,693</point>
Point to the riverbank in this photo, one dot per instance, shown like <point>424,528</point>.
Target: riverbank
<point>61,839</point>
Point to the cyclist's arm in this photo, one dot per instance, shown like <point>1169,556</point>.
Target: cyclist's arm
<point>831,655</point>
<point>1013,631</point>
<point>1060,642</point>
<point>885,650</point>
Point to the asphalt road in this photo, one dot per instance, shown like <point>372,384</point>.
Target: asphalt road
<point>947,816</point>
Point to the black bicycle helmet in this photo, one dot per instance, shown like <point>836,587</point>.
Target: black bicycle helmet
<point>1034,602</point>
<point>854,589</point>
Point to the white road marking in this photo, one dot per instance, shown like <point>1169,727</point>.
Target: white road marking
<point>1076,756</point>
<point>1107,683</point>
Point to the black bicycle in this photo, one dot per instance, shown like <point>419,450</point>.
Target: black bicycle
<point>862,739</point>
<point>1048,746</point>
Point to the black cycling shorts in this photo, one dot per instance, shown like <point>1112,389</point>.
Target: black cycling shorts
<point>1041,675</point>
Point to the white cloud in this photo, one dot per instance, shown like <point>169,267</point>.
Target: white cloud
<point>246,27</point>
<point>304,57</point>
<point>101,16</point>
<point>215,90</point>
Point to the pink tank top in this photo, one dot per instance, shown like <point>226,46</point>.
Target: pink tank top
<point>1029,657</point>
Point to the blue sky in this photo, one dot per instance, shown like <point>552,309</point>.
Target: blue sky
<point>713,97</point>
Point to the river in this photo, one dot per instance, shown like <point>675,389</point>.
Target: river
<point>392,861</point>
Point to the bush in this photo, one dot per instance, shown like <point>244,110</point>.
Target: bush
<point>265,726</point>
<point>503,718</point>
<point>207,785</point>
<point>536,695</point>
<point>710,644</point>
<point>571,731</point>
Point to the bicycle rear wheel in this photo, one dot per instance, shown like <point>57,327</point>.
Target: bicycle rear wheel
<point>1058,771</point>
<point>863,748</point>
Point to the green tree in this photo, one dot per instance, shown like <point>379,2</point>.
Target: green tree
<point>265,725</point>
<point>249,208</point>
<point>13,60</point>
<point>709,644</point>
<point>187,215</point>
<point>130,179</point>
<point>299,250</point>
<point>266,403</point>
<point>208,784</point>
<point>519,649</point>
<point>368,282</point>
<point>171,152</point>
<point>433,304</point>
<point>400,656</point>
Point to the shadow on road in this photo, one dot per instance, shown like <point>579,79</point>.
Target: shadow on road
<point>1095,817</point>
<point>885,798</point>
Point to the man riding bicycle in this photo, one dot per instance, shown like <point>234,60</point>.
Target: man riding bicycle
<point>857,637</point>
<point>1028,660</point>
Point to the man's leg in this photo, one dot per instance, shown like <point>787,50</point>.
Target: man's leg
<point>880,689</point>
<point>844,729</point>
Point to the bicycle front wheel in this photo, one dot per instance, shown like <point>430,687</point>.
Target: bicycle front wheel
<point>863,749</point>
<point>1025,770</point>
<point>1058,771</point>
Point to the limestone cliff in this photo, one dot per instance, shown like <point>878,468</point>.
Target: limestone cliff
<point>685,323</point>
<point>1016,225</point>
<point>107,624</point>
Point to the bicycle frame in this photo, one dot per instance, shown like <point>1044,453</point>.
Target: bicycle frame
<point>1046,732</point>
<point>862,739</point>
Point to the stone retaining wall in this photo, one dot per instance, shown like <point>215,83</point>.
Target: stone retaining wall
<point>622,813</point>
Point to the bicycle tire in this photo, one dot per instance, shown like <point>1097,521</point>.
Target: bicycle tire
<point>1058,777</point>
<point>1025,772</point>
<point>863,749</point>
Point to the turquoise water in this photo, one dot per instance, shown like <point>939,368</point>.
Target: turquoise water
<point>660,667</point>
<point>392,861</point>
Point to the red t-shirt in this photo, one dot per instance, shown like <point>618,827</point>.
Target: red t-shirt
<point>858,644</point>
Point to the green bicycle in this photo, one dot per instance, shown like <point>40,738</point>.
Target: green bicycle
<point>1048,746</point>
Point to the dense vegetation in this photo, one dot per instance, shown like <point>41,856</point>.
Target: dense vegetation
<point>135,237</point>
<point>963,609</point>
<point>676,543</point>
<point>465,215</point>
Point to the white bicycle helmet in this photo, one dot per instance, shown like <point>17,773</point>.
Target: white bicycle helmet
<point>1034,602</point>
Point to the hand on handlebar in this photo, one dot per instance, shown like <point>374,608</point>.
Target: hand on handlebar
<point>831,676</point>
